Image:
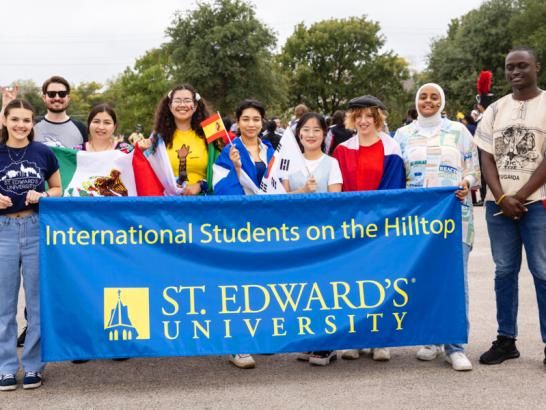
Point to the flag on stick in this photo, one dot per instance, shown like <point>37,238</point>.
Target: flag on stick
<point>214,128</point>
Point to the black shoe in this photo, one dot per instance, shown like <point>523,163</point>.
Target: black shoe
<point>32,380</point>
<point>322,358</point>
<point>79,361</point>
<point>21,338</point>
<point>503,348</point>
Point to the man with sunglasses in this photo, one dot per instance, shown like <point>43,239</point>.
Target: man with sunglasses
<point>56,127</point>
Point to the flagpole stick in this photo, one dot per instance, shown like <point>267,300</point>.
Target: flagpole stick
<point>525,204</point>
<point>224,126</point>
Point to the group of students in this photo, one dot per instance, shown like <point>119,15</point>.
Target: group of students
<point>430,152</point>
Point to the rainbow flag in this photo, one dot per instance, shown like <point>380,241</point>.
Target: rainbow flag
<point>213,127</point>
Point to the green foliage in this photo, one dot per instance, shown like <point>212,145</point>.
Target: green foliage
<point>529,29</point>
<point>136,92</point>
<point>29,91</point>
<point>335,60</point>
<point>225,52</point>
<point>479,41</point>
<point>83,97</point>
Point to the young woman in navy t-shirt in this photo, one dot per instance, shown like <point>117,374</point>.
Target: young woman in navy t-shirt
<point>25,167</point>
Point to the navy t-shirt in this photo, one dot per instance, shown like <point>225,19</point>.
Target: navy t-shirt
<point>23,170</point>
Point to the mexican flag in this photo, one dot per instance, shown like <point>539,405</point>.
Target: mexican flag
<point>108,173</point>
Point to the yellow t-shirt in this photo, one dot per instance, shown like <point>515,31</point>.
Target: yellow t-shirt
<point>196,159</point>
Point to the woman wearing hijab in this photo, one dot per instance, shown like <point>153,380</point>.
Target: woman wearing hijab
<point>439,152</point>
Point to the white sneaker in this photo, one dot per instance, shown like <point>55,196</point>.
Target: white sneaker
<point>429,352</point>
<point>243,361</point>
<point>459,361</point>
<point>303,356</point>
<point>381,354</point>
<point>350,354</point>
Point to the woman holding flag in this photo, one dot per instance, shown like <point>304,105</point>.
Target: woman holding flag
<point>321,172</point>
<point>369,160</point>
<point>178,121</point>
<point>25,167</point>
<point>240,168</point>
<point>242,165</point>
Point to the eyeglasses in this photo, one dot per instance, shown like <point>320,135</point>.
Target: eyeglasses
<point>52,94</point>
<point>182,101</point>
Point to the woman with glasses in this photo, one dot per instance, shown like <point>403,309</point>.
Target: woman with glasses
<point>25,167</point>
<point>177,121</point>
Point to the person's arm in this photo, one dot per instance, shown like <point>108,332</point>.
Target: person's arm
<point>54,183</point>
<point>538,179</point>
<point>471,165</point>
<point>510,205</point>
<point>310,186</point>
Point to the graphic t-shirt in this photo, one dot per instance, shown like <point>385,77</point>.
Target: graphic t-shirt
<point>23,170</point>
<point>514,132</point>
<point>60,134</point>
<point>187,144</point>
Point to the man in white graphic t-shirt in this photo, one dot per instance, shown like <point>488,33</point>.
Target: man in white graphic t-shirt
<point>512,137</point>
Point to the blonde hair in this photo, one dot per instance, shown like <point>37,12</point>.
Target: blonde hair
<point>379,117</point>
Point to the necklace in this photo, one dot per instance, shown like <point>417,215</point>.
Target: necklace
<point>18,158</point>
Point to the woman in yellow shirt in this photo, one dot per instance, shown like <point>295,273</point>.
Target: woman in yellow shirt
<point>177,121</point>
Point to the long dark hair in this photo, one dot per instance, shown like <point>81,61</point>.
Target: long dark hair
<point>17,103</point>
<point>164,123</point>
<point>322,122</point>
<point>107,108</point>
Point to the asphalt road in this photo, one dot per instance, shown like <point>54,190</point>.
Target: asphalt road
<point>280,381</point>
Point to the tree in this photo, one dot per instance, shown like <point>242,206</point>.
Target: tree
<point>136,92</point>
<point>477,41</point>
<point>225,52</point>
<point>83,97</point>
<point>529,29</point>
<point>335,60</point>
<point>29,91</point>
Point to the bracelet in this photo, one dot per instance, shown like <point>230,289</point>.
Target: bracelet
<point>46,194</point>
<point>498,201</point>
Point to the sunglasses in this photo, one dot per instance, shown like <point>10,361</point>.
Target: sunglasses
<point>52,94</point>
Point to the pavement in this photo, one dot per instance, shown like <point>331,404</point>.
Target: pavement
<point>279,381</point>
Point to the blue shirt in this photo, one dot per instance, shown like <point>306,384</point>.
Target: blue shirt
<point>23,170</point>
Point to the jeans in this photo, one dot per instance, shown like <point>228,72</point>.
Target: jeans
<point>507,237</point>
<point>452,348</point>
<point>19,255</point>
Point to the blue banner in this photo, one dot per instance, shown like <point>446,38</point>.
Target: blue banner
<point>141,277</point>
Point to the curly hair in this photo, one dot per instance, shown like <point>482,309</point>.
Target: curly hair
<point>379,117</point>
<point>164,123</point>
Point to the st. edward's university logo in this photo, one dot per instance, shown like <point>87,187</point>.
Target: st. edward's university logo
<point>126,314</point>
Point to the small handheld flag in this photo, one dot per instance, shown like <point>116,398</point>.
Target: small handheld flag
<point>214,128</point>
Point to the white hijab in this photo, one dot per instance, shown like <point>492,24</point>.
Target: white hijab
<point>430,123</point>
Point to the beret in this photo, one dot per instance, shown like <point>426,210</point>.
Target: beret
<point>366,101</point>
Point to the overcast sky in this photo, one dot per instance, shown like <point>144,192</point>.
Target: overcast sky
<point>95,40</point>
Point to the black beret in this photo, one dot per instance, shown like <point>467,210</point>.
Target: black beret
<point>366,101</point>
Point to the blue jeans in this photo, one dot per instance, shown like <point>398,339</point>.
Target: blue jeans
<point>452,348</point>
<point>19,255</point>
<point>507,237</point>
